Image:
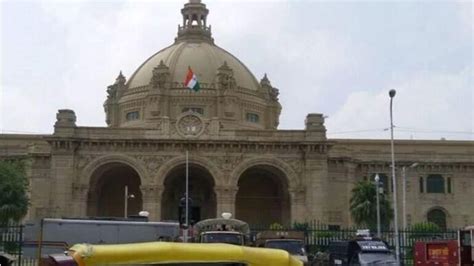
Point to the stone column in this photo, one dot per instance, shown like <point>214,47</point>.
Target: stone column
<point>152,200</point>
<point>298,204</point>
<point>79,203</point>
<point>351,175</point>
<point>61,183</point>
<point>225,197</point>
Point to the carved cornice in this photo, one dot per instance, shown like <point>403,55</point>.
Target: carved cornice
<point>189,144</point>
<point>423,167</point>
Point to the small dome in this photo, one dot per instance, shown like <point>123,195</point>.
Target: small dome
<point>203,57</point>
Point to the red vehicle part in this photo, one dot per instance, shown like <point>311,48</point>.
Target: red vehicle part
<point>439,253</point>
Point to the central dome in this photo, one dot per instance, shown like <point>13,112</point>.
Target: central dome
<point>203,57</point>
<point>156,97</point>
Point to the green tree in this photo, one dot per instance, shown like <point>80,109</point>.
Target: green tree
<point>363,206</point>
<point>13,188</point>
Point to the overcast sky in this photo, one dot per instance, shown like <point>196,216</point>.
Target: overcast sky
<point>339,58</point>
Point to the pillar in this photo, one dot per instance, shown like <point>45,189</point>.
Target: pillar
<point>225,197</point>
<point>298,204</point>
<point>152,200</point>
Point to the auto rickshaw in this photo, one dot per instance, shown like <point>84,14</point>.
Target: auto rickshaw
<point>168,253</point>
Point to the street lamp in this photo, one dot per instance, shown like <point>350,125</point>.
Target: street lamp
<point>377,180</point>
<point>392,93</point>
<point>404,187</point>
<point>126,197</point>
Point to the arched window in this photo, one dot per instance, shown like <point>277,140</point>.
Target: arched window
<point>435,184</point>
<point>437,217</point>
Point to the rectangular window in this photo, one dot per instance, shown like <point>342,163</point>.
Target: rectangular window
<point>135,115</point>
<point>384,183</point>
<point>198,110</point>
<point>422,189</point>
<point>435,184</point>
<point>253,118</point>
<point>449,185</point>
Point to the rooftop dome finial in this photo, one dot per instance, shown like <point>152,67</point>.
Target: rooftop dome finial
<point>194,22</point>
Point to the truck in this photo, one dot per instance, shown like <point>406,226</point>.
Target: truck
<point>459,252</point>
<point>52,235</point>
<point>222,230</point>
<point>361,250</point>
<point>291,241</point>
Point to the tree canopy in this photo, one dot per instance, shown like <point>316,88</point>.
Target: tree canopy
<point>363,206</point>
<point>13,192</point>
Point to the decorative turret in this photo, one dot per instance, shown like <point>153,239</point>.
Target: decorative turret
<point>114,89</point>
<point>267,88</point>
<point>160,75</point>
<point>194,23</point>
<point>114,92</point>
<point>265,82</point>
<point>225,77</point>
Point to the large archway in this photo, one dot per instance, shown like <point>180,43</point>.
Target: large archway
<point>201,191</point>
<point>263,198</point>
<point>107,197</point>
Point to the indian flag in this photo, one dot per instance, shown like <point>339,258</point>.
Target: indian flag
<point>191,81</point>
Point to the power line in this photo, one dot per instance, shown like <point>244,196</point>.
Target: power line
<point>7,131</point>
<point>424,130</point>
<point>360,131</point>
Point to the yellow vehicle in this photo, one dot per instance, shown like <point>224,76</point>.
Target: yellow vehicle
<point>167,253</point>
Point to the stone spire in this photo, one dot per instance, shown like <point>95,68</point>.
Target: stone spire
<point>194,23</point>
<point>120,79</point>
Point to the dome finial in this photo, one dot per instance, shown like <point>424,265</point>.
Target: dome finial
<point>194,22</point>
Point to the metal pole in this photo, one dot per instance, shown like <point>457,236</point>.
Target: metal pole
<point>377,180</point>
<point>185,232</point>
<point>394,182</point>
<point>40,242</point>
<point>125,211</point>
<point>404,187</point>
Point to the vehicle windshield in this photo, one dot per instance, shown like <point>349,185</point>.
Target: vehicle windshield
<point>385,258</point>
<point>294,247</point>
<point>235,239</point>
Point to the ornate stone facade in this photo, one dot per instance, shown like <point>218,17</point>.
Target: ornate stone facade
<point>238,161</point>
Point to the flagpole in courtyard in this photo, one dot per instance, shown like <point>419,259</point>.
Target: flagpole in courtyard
<point>186,223</point>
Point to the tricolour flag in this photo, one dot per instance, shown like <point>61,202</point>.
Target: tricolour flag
<point>191,81</point>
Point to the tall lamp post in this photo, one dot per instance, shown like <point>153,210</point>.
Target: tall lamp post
<point>392,93</point>
<point>404,187</point>
<point>377,186</point>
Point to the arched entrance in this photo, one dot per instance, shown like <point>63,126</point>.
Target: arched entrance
<point>438,217</point>
<point>201,191</point>
<point>107,197</point>
<point>263,198</point>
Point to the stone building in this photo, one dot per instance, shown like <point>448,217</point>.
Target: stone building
<point>239,161</point>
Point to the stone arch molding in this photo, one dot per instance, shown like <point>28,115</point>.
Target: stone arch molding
<point>437,208</point>
<point>168,166</point>
<point>292,177</point>
<point>91,167</point>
